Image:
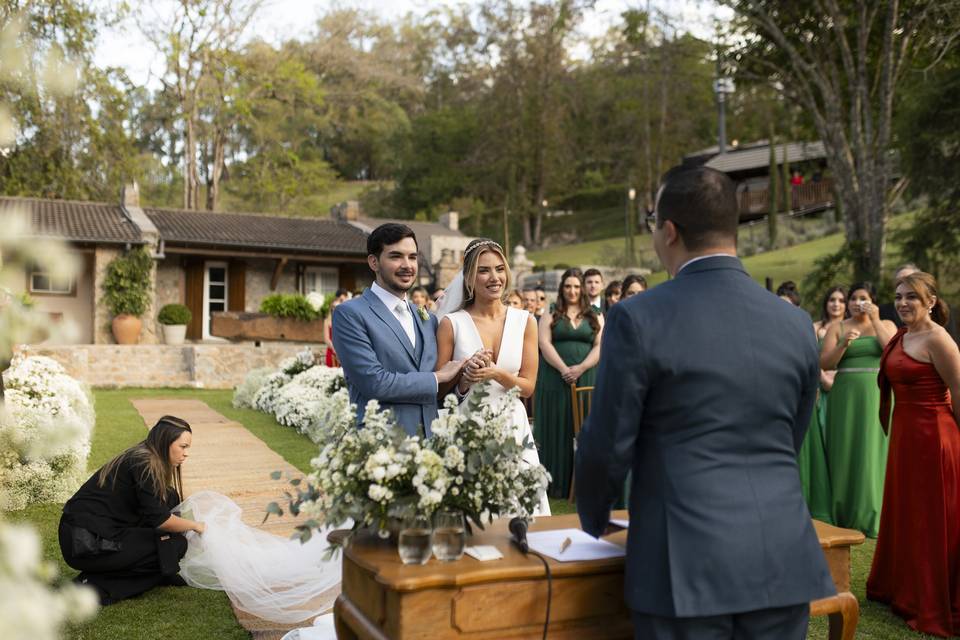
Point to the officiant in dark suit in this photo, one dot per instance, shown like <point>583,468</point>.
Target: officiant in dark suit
<point>704,391</point>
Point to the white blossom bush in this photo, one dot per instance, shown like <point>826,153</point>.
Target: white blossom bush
<point>30,609</point>
<point>304,402</point>
<point>45,431</point>
<point>245,392</point>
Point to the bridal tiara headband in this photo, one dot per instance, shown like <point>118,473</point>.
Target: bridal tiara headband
<point>483,243</point>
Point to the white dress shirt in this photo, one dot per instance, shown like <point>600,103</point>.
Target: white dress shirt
<point>698,258</point>
<point>400,308</point>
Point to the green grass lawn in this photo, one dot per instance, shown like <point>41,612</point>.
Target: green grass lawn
<point>170,613</point>
<point>789,263</point>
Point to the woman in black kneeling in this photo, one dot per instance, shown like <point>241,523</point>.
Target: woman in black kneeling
<point>118,530</point>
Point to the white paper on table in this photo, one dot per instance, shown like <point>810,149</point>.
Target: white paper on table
<point>620,523</point>
<point>583,546</point>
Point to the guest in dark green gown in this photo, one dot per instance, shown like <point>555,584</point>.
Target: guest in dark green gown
<point>812,459</point>
<point>569,350</point>
<point>856,445</point>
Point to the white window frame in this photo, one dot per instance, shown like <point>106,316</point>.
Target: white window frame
<point>206,296</point>
<point>330,272</point>
<point>51,291</point>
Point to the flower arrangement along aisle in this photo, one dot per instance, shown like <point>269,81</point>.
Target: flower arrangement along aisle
<point>472,462</point>
<point>45,430</point>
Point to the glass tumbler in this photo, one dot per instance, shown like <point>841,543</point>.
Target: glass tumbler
<point>449,535</point>
<point>415,540</point>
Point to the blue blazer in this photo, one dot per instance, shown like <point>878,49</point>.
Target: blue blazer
<point>379,363</point>
<point>704,390</point>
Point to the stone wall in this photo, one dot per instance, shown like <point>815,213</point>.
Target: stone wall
<point>259,275</point>
<point>203,366</point>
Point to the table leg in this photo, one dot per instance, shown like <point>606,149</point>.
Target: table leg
<point>843,613</point>
<point>351,624</point>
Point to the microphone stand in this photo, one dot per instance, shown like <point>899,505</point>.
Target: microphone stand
<point>518,535</point>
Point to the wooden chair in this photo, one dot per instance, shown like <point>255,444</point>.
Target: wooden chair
<point>580,398</point>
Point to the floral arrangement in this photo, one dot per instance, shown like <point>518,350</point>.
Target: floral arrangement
<point>244,393</point>
<point>370,475</point>
<point>301,394</point>
<point>29,606</point>
<point>45,430</point>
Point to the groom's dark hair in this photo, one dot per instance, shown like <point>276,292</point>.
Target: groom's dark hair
<point>702,203</point>
<point>390,233</point>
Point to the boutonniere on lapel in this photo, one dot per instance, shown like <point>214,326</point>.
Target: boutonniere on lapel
<point>422,312</point>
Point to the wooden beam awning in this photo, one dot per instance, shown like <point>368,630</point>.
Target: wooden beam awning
<point>320,258</point>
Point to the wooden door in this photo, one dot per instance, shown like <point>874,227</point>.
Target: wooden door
<point>193,268</point>
<point>236,285</point>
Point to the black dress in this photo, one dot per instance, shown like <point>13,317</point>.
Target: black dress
<point>110,535</point>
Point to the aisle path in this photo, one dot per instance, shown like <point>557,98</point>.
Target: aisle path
<point>225,457</point>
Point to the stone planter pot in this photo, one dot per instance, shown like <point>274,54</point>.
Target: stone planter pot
<point>126,329</point>
<point>174,333</point>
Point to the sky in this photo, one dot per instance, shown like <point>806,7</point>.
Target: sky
<point>123,46</point>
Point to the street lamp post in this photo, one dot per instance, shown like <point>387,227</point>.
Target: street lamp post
<point>629,226</point>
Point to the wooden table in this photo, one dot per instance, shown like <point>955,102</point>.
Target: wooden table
<point>385,599</point>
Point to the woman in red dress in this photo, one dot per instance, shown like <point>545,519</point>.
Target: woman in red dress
<point>916,567</point>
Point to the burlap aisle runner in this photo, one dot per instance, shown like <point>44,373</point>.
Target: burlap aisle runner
<point>228,459</point>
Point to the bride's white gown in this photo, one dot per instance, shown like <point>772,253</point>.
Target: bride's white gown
<point>263,574</point>
<point>467,341</point>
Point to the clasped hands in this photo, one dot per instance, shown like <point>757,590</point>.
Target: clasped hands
<point>477,368</point>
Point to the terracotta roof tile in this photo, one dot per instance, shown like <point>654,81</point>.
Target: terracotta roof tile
<point>74,220</point>
<point>202,228</point>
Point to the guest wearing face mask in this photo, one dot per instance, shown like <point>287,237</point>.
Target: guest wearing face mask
<point>856,445</point>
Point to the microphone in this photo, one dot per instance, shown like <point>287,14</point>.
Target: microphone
<point>518,529</point>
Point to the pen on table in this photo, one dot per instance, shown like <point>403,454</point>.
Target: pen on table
<point>566,543</point>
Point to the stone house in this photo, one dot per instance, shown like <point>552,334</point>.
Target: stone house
<point>208,261</point>
<point>441,243</point>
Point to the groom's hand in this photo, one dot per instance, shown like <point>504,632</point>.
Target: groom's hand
<point>449,371</point>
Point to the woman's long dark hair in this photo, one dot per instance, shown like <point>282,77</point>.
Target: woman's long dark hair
<point>824,316</point>
<point>586,309</point>
<point>152,458</point>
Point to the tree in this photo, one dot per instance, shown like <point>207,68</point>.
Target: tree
<point>844,60</point>
<point>930,151</point>
<point>195,41</point>
<point>69,137</point>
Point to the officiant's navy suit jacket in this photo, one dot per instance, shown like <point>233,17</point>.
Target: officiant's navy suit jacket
<point>379,363</point>
<point>705,388</point>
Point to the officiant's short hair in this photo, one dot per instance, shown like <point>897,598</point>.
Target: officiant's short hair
<point>702,203</point>
<point>390,233</point>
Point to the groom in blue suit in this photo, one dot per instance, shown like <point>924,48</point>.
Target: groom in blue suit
<point>705,388</point>
<point>386,345</point>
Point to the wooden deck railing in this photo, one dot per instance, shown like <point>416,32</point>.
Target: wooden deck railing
<point>804,196</point>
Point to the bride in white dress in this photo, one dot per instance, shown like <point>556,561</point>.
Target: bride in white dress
<point>499,342</point>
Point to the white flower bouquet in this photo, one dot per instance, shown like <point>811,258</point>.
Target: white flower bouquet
<point>369,475</point>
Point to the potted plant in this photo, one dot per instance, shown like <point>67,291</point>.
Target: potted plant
<point>174,319</point>
<point>126,289</point>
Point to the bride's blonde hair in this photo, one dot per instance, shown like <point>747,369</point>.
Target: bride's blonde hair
<point>471,262</point>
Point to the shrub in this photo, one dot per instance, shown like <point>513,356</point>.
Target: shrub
<point>289,305</point>
<point>245,392</point>
<point>174,314</point>
<point>45,429</point>
<point>126,286</point>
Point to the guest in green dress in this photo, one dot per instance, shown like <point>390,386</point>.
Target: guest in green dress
<point>812,459</point>
<point>856,445</point>
<point>569,350</point>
